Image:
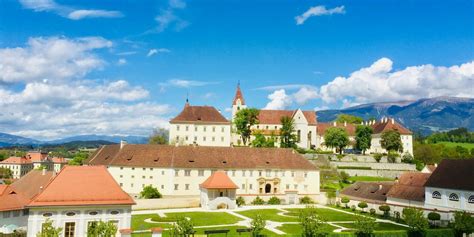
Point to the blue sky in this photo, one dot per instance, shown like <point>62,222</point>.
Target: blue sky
<point>138,59</point>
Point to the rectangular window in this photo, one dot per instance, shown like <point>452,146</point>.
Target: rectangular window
<point>162,172</point>
<point>269,173</point>
<point>222,129</point>
<point>151,169</point>
<point>243,186</point>
<point>196,129</point>
<point>187,128</point>
<point>69,229</point>
<point>222,139</point>
<point>251,173</point>
<point>283,174</point>
<point>26,212</point>
<point>6,214</point>
<point>187,186</point>
<point>16,213</point>
<point>287,186</point>
<point>296,186</point>
<point>243,173</point>
<point>177,127</point>
<point>121,184</point>
<point>186,138</point>
<point>176,186</point>
<point>250,186</point>
<point>292,173</point>
<point>213,129</point>
<point>201,173</point>
<point>133,176</point>
<point>143,177</point>
<point>187,173</point>
<point>204,138</point>
<point>213,139</point>
<point>121,168</point>
<point>176,173</point>
<point>233,173</point>
<point>162,186</point>
<point>144,169</point>
<point>306,174</point>
<point>259,173</point>
<point>121,176</point>
<point>151,177</point>
<point>195,138</point>
<point>204,128</point>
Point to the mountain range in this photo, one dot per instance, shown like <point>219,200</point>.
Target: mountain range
<point>423,116</point>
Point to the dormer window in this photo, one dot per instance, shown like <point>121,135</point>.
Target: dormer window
<point>453,197</point>
<point>436,195</point>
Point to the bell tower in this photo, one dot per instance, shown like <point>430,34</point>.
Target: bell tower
<point>239,102</point>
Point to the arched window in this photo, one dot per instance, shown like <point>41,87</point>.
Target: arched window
<point>70,214</point>
<point>436,195</point>
<point>453,197</point>
<point>47,214</point>
<point>470,199</point>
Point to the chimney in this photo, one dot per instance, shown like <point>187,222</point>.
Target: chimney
<point>122,144</point>
<point>334,123</point>
<point>393,120</point>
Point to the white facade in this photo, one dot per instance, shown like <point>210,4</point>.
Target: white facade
<point>18,169</point>
<point>213,199</point>
<point>182,182</point>
<point>77,218</point>
<point>202,134</point>
<point>449,199</point>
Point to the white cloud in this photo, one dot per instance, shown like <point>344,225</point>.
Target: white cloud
<point>157,51</point>
<point>51,110</point>
<point>126,53</point>
<point>318,11</point>
<point>278,100</point>
<point>81,14</point>
<point>305,94</point>
<point>46,95</point>
<point>122,61</point>
<point>67,11</point>
<point>168,17</point>
<point>51,58</point>
<point>379,82</point>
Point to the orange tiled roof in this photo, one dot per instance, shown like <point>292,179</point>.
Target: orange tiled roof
<point>274,116</point>
<point>380,127</point>
<point>82,185</point>
<point>349,127</point>
<point>18,194</point>
<point>36,156</point>
<point>219,180</point>
<point>238,95</point>
<point>16,160</point>
<point>59,160</point>
<point>199,114</point>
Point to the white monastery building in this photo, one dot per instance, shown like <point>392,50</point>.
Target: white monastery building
<point>181,170</point>
<point>74,199</point>
<point>32,160</point>
<point>206,126</point>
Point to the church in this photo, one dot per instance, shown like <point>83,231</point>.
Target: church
<point>206,126</point>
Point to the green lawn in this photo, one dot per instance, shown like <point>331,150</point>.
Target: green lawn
<point>327,214</point>
<point>380,226</point>
<point>295,229</point>
<point>454,144</point>
<point>269,215</point>
<point>138,222</point>
<point>198,219</point>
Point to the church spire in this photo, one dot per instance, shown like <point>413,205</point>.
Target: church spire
<point>187,100</point>
<point>238,95</point>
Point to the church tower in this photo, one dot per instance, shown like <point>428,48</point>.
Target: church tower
<point>239,102</point>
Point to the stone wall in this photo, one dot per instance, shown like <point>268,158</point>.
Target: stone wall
<point>166,203</point>
<point>377,166</point>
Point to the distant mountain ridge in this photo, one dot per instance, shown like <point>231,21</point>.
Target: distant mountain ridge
<point>424,115</point>
<point>13,140</point>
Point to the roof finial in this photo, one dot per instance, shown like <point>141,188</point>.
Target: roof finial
<point>187,99</point>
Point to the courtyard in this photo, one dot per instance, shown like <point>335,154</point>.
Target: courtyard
<point>280,220</point>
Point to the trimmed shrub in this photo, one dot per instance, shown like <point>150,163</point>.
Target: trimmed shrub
<point>338,204</point>
<point>386,210</point>
<point>372,211</point>
<point>274,201</point>
<point>345,200</point>
<point>392,157</point>
<point>306,200</point>
<point>240,201</point>
<point>434,217</point>
<point>353,207</point>
<point>344,177</point>
<point>362,205</point>
<point>397,216</point>
<point>377,157</point>
<point>258,201</point>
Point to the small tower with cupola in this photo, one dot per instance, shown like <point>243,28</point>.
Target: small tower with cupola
<point>239,102</point>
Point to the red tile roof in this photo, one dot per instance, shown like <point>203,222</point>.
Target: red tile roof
<point>380,127</point>
<point>199,114</point>
<point>16,160</point>
<point>323,127</point>
<point>410,186</point>
<point>238,95</point>
<point>375,192</point>
<point>82,185</point>
<point>219,180</point>
<point>199,157</point>
<point>274,116</point>
<point>18,194</point>
<point>36,156</point>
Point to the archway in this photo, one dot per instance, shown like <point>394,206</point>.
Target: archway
<point>268,188</point>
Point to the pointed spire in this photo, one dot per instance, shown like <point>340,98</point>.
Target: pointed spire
<point>187,100</point>
<point>238,95</point>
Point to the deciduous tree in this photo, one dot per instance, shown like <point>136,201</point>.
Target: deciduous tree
<point>363,138</point>
<point>288,138</point>
<point>159,136</point>
<point>336,138</point>
<point>243,121</point>
<point>150,192</point>
<point>391,141</point>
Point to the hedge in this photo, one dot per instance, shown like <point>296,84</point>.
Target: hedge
<point>354,167</point>
<point>400,233</point>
